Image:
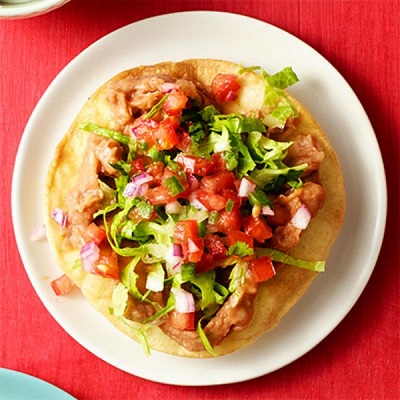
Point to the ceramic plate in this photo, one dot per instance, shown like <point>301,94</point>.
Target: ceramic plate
<point>321,89</point>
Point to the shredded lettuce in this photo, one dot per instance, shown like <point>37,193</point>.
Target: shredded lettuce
<point>279,107</point>
<point>279,256</point>
<point>204,338</point>
<point>237,276</point>
<point>119,303</point>
<point>106,132</point>
<point>272,180</point>
<point>156,108</point>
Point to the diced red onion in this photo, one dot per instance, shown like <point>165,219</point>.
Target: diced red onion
<point>196,203</point>
<point>173,207</point>
<point>174,255</point>
<point>38,234</point>
<point>302,217</point>
<point>142,178</point>
<point>246,187</point>
<point>193,182</point>
<point>267,210</point>
<point>188,163</point>
<point>177,267</point>
<point>59,216</point>
<point>184,301</point>
<point>90,253</point>
<point>167,87</point>
<point>177,250</point>
<point>192,247</point>
<point>131,190</point>
<point>137,187</point>
<point>142,189</point>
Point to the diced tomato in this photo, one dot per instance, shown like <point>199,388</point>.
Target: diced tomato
<point>182,321</point>
<point>95,233</point>
<point>232,195</point>
<point>165,135</point>
<point>160,134</point>
<point>262,269</point>
<point>195,165</point>
<point>168,173</point>
<point>62,285</point>
<point>175,102</point>
<point>219,163</point>
<point>206,263</point>
<point>215,246</point>
<point>143,130</point>
<point>225,87</point>
<point>156,170</point>
<point>229,220</point>
<point>107,263</point>
<point>137,166</point>
<point>185,142</point>
<point>193,249</point>
<point>185,230</point>
<point>235,236</point>
<point>210,200</point>
<point>257,228</point>
<point>159,195</point>
<point>217,183</point>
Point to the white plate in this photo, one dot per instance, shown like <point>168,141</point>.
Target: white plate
<point>321,88</point>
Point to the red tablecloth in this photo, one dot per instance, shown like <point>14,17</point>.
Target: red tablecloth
<point>360,358</point>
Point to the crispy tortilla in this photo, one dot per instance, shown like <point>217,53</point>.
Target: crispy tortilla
<point>276,296</point>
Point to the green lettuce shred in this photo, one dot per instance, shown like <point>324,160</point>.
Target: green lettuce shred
<point>279,256</point>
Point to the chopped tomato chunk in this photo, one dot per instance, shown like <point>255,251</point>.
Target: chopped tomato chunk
<point>156,170</point>
<point>185,230</point>
<point>160,134</point>
<point>62,285</point>
<point>217,183</point>
<point>219,163</point>
<point>143,130</point>
<point>257,228</point>
<point>193,249</point>
<point>182,321</point>
<point>239,236</point>
<point>206,263</point>
<point>225,87</point>
<point>165,135</point>
<point>107,263</point>
<point>159,195</point>
<point>137,166</point>
<point>195,165</point>
<point>229,220</point>
<point>262,269</point>
<point>95,233</point>
<point>215,246</point>
<point>211,201</point>
<point>175,102</point>
<point>185,142</point>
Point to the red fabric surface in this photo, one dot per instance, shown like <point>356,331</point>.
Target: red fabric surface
<point>360,358</point>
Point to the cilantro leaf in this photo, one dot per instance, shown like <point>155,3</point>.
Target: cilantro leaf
<point>240,249</point>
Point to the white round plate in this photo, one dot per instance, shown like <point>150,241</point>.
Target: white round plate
<point>321,88</point>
